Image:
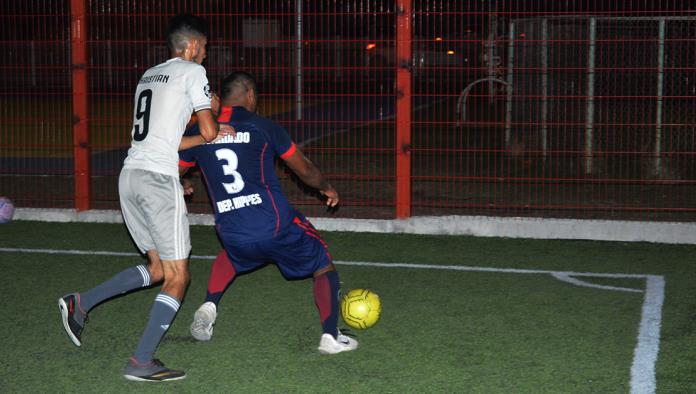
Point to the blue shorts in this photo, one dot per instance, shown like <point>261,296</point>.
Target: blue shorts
<point>298,251</point>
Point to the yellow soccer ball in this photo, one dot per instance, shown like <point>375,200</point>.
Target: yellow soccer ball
<point>361,308</point>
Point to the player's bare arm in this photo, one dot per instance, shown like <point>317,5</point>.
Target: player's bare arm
<point>207,124</point>
<point>311,176</point>
<point>215,104</point>
<point>210,130</point>
<point>187,185</point>
<point>185,180</point>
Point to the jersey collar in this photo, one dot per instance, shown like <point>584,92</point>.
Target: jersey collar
<point>225,114</point>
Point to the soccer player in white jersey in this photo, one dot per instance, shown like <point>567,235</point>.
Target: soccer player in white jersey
<point>151,195</point>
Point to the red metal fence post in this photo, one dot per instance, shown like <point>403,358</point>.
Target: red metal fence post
<point>403,108</point>
<point>79,98</point>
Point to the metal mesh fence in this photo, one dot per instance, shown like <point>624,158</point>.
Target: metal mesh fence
<point>602,120</point>
<point>313,74</point>
<point>35,111</point>
<point>575,110</point>
<point>528,108</point>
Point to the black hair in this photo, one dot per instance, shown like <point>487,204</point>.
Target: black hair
<point>182,28</point>
<point>237,83</point>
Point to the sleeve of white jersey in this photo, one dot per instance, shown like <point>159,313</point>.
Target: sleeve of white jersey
<point>198,89</point>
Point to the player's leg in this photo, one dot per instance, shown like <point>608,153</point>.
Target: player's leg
<point>326,288</point>
<point>326,292</point>
<point>169,229</point>
<point>165,307</point>
<point>142,366</point>
<point>305,253</point>
<point>232,261</point>
<point>75,306</point>
<point>154,266</point>
<point>222,273</point>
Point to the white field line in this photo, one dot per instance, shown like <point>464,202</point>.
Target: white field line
<point>648,346</point>
<point>648,341</point>
<point>566,277</point>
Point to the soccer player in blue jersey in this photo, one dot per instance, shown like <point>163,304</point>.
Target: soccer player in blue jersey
<point>254,220</point>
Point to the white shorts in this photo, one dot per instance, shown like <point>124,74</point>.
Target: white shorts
<point>154,210</point>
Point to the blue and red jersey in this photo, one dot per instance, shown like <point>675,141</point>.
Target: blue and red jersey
<point>240,175</point>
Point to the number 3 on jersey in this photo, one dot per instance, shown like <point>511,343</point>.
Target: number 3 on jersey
<point>230,168</point>
<point>141,123</point>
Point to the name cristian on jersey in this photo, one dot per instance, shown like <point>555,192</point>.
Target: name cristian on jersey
<point>239,202</point>
<point>241,137</point>
<point>164,78</point>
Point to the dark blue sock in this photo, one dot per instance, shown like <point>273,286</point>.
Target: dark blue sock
<point>214,297</point>
<point>126,280</point>
<point>162,314</point>
<point>326,288</point>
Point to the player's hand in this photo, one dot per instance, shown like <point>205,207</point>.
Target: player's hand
<point>331,196</point>
<point>224,131</point>
<point>215,104</point>
<point>188,186</point>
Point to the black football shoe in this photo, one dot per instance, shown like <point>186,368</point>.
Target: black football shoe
<point>73,318</point>
<point>153,371</point>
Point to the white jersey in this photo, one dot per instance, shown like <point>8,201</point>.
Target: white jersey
<point>166,96</point>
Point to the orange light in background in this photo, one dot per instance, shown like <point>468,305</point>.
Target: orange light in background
<point>438,38</point>
<point>371,46</point>
<point>450,52</point>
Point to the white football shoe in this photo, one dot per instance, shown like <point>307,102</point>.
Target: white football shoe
<point>330,345</point>
<point>203,321</point>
